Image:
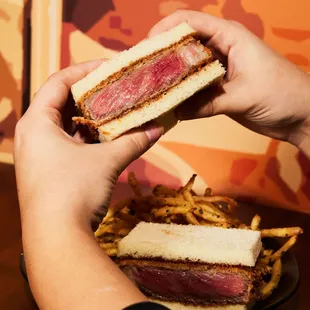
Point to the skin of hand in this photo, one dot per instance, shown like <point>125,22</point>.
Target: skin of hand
<point>64,185</point>
<point>262,90</point>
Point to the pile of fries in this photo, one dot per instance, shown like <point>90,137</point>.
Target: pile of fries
<point>184,206</point>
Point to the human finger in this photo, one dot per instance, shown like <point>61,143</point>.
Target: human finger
<point>219,31</point>
<point>217,99</point>
<point>131,145</point>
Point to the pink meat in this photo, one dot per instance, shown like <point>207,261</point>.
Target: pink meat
<point>150,79</point>
<point>198,286</point>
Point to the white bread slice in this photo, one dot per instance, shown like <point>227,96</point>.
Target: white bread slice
<point>128,57</point>
<point>167,102</point>
<point>212,245</point>
<point>179,306</point>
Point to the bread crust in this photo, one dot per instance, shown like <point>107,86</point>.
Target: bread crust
<point>178,265</point>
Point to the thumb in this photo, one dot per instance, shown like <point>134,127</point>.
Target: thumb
<point>133,144</point>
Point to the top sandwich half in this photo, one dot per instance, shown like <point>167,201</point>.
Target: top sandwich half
<point>145,82</point>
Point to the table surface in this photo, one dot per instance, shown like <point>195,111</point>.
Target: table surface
<point>14,291</point>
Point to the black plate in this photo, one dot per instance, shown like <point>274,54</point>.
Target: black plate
<point>288,284</point>
<point>289,279</point>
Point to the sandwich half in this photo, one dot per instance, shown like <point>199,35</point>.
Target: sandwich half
<point>145,83</point>
<point>192,267</point>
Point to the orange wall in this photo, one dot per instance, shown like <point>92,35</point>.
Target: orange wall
<point>232,160</point>
<point>11,68</point>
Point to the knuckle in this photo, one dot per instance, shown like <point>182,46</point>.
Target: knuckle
<point>181,12</point>
<point>136,145</point>
<point>55,77</point>
<point>52,77</point>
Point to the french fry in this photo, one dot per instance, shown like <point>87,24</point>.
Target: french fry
<point>167,219</point>
<point>128,215</point>
<point>227,208</point>
<point>161,190</point>
<point>208,192</point>
<point>222,225</point>
<point>243,226</point>
<point>167,211</point>
<point>209,207</point>
<point>276,255</point>
<point>274,282</point>
<point>116,207</point>
<point>208,216</point>
<point>111,252</point>
<point>102,229</point>
<point>191,219</point>
<point>193,192</point>
<point>124,231</point>
<point>267,270</point>
<point>168,201</point>
<point>127,211</point>
<point>146,217</point>
<point>111,228</point>
<point>267,252</point>
<point>264,269</point>
<point>189,185</point>
<point>216,199</point>
<point>232,203</point>
<point>188,197</point>
<point>107,245</point>
<point>255,222</point>
<point>205,223</point>
<point>281,232</point>
<point>173,218</point>
<point>132,180</point>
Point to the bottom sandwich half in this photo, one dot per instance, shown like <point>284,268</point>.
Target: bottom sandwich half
<point>193,267</point>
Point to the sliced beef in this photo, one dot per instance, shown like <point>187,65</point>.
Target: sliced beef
<point>198,284</point>
<point>146,80</point>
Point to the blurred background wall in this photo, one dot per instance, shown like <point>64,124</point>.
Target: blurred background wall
<point>13,25</point>
<point>227,157</point>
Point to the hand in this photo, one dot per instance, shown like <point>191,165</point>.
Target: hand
<point>61,168</point>
<point>262,90</point>
<point>64,184</point>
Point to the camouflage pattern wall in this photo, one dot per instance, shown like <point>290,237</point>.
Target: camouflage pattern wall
<point>11,72</point>
<point>227,157</point>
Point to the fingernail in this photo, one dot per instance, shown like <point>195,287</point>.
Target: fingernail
<point>154,132</point>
